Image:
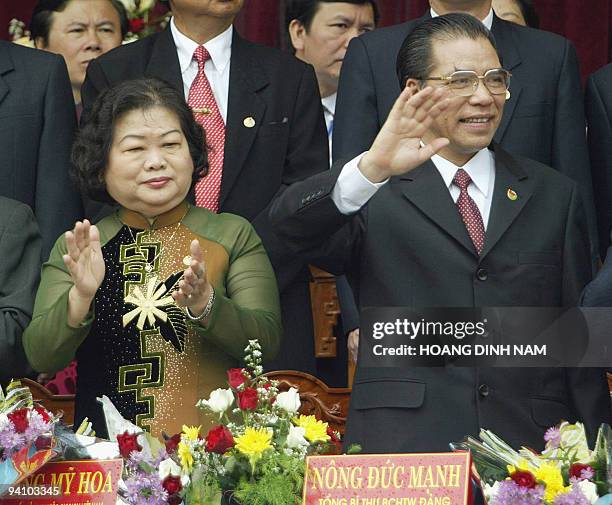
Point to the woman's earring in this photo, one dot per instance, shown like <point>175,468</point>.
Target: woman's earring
<point>507,94</point>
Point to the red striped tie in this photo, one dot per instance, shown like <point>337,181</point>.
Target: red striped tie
<point>205,110</point>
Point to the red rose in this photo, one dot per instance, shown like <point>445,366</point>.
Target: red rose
<point>175,499</point>
<point>42,443</point>
<point>136,25</point>
<point>247,399</point>
<point>172,443</point>
<point>219,440</point>
<point>172,484</point>
<point>235,377</point>
<point>580,471</point>
<point>19,418</point>
<point>524,479</point>
<point>128,442</point>
<point>43,413</point>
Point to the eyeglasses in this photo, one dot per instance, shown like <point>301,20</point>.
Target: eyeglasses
<point>465,82</point>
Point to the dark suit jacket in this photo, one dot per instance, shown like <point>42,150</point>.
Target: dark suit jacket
<point>37,122</point>
<point>409,247</point>
<point>598,292</point>
<point>19,274</point>
<point>287,144</point>
<point>599,119</point>
<point>543,120</point>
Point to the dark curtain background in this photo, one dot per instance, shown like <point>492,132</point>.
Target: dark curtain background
<point>587,23</point>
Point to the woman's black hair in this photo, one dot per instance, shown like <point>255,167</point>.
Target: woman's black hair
<point>92,144</point>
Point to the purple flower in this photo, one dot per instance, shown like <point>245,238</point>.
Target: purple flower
<point>587,474</point>
<point>145,489</point>
<point>510,493</point>
<point>553,437</point>
<point>574,497</point>
<point>36,427</point>
<point>10,441</point>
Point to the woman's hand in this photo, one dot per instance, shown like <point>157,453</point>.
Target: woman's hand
<point>85,263</point>
<point>194,290</point>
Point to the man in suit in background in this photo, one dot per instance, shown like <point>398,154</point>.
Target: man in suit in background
<point>36,128</point>
<point>543,119</point>
<point>319,32</point>
<point>599,120</point>
<point>265,130</point>
<point>19,274</point>
<point>471,227</point>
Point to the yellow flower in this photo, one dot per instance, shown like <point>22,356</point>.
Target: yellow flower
<point>550,475</point>
<point>522,465</point>
<point>191,432</point>
<point>253,443</point>
<point>184,452</point>
<point>316,431</point>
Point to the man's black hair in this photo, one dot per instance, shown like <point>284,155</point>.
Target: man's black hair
<point>305,10</point>
<point>414,60</point>
<point>42,15</point>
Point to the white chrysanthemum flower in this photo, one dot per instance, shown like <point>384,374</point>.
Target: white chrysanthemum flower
<point>220,400</point>
<point>289,401</point>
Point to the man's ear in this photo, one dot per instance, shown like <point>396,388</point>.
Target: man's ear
<point>297,33</point>
<point>39,43</point>
<point>413,84</point>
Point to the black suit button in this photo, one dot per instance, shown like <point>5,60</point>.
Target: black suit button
<point>482,274</point>
<point>483,390</point>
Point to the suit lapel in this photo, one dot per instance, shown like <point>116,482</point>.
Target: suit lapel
<point>247,77</point>
<point>508,49</point>
<point>509,179</point>
<point>164,62</point>
<point>425,188</point>
<point>6,65</point>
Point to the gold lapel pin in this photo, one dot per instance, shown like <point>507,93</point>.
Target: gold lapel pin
<point>249,122</point>
<point>203,110</point>
<point>511,194</point>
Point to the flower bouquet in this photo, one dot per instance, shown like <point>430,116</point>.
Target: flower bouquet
<point>566,472</point>
<point>27,439</point>
<point>145,17</point>
<point>256,454</point>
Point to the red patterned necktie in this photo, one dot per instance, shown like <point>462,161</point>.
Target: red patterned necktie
<point>205,110</point>
<point>469,210</point>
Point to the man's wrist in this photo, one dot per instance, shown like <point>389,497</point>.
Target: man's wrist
<point>370,170</point>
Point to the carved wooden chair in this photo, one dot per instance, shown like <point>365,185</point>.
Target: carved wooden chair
<point>327,404</point>
<point>53,403</point>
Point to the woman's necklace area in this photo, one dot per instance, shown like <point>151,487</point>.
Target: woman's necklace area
<point>150,265</point>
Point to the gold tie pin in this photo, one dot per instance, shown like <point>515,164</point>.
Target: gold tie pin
<point>203,110</point>
<point>511,194</point>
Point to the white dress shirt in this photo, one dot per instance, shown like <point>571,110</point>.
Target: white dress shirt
<point>487,21</point>
<point>353,190</point>
<point>329,109</point>
<point>217,68</point>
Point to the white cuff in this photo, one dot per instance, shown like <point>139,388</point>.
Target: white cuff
<point>353,190</point>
